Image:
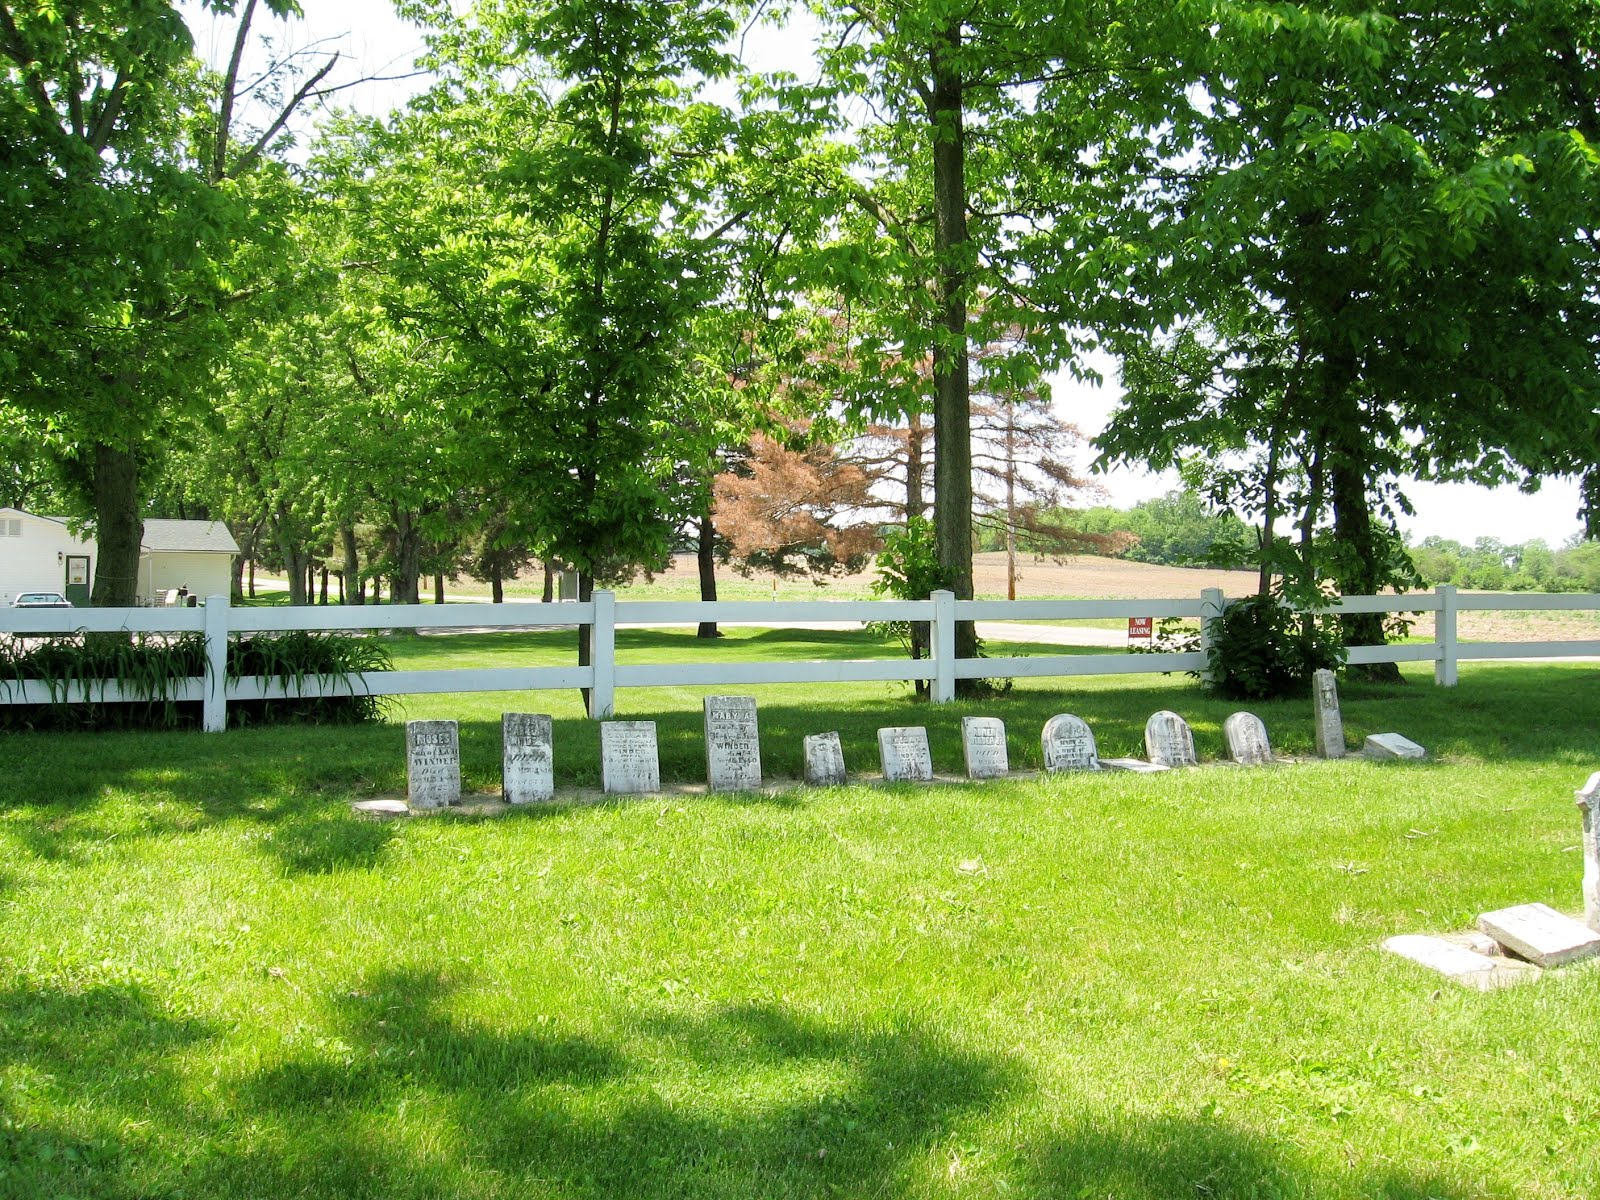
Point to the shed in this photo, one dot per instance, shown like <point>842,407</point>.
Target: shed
<point>41,554</point>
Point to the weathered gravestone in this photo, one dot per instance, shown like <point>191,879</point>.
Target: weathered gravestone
<point>1460,964</point>
<point>904,755</point>
<point>1540,934</point>
<point>1589,806</point>
<point>433,764</point>
<point>1167,740</point>
<point>824,760</point>
<point>733,745</point>
<point>983,745</point>
<point>1389,746</point>
<point>1247,739</point>
<point>527,761</point>
<point>1325,707</point>
<point>1068,744</point>
<point>629,765</point>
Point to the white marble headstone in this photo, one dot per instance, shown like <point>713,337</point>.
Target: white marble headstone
<point>1459,964</point>
<point>903,752</point>
<point>983,743</point>
<point>1390,746</point>
<point>1167,740</point>
<point>629,765</point>
<point>1068,744</point>
<point>1589,805</point>
<point>433,764</point>
<point>1325,709</point>
<point>527,773</point>
<point>824,760</point>
<point>1247,739</point>
<point>733,745</point>
<point>1540,934</point>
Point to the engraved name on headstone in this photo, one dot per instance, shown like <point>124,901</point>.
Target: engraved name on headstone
<point>904,755</point>
<point>1068,744</point>
<point>1540,934</point>
<point>629,765</point>
<point>1589,805</point>
<point>733,745</point>
<point>433,764</point>
<point>1325,707</point>
<point>527,767</point>
<point>983,744</point>
<point>1167,740</point>
<point>1247,739</point>
<point>824,760</point>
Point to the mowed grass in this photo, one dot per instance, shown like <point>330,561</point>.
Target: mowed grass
<point>216,981</point>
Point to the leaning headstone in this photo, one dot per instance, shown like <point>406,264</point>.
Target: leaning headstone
<point>983,745</point>
<point>733,745</point>
<point>1589,806</point>
<point>1540,934</point>
<point>527,760</point>
<point>1391,746</point>
<point>824,760</point>
<point>1325,707</point>
<point>904,755</point>
<point>1167,740</point>
<point>1247,739</point>
<point>1068,744</point>
<point>629,765</point>
<point>433,764</point>
<point>1461,965</point>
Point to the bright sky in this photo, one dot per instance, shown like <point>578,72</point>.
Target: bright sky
<point>377,43</point>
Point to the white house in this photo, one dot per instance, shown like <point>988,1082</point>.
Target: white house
<point>40,554</point>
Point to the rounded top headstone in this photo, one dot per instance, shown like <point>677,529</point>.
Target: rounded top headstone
<point>1068,744</point>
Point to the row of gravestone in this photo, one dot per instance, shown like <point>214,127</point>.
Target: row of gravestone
<point>630,763</point>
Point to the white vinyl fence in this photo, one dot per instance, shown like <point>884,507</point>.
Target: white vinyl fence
<point>218,619</point>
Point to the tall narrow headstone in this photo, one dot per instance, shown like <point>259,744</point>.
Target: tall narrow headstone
<point>1589,805</point>
<point>629,765</point>
<point>433,764</point>
<point>733,745</point>
<point>1325,706</point>
<point>1167,740</point>
<point>1068,744</point>
<point>824,760</point>
<point>983,744</point>
<point>527,770</point>
<point>1247,739</point>
<point>904,755</point>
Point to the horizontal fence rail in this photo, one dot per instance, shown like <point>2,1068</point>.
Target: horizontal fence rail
<point>217,621</point>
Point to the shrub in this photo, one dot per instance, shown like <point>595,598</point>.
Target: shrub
<point>1262,649</point>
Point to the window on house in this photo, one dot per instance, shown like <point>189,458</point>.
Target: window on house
<point>11,527</point>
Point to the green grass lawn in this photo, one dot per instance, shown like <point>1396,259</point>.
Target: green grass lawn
<point>216,981</point>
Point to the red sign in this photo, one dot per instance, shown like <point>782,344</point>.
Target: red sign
<point>1139,627</point>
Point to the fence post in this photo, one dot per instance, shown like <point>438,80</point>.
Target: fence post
<point>943,647</point>
<point>1212,602</point>
<point>603,656</point>
<point>215,713</point>
<point>1444,636</point>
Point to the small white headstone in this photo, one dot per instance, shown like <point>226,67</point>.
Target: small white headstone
<point>903,752</point>
<point>983,743</point>
<point>824,760</point>
<point>629,765</point>
<point>1167,740</point>
<point>733,745</point>
<point>1540,934</point>
<point>1459,964</point>
<point>527,770</point>
<point>1391,746</point>
<point>1589,806</point>
<point>1247,739</point>
<point>1137,765</point>
<point>1325,708</point>
<point>1068,744</point>
<point>433,764</point>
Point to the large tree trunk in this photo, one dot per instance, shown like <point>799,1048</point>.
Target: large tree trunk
<point>438,589</point>
<point>296,559</point>
<point>119,530</point>
<point>916,467</point>
<point>549,594</point>
<point>952,403</point>
<point>706,560</point>
<point>354,584</point>
<point>497,584</point>
<point>1352,525</point>
<point>407,556</point>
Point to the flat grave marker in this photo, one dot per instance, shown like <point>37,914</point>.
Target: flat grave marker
<point>1391,746</point>
<point>433,764</point>
<point>1168,741</point>
<point>1540,934</point>
<point>903,754</point>
<point>983,745</point>
<point>1459,964</point>
<point>824,760</point>
<point>733,744</point>
<point>1246,736</point>
<point>1068,744</point>
<point>629,764</point>
<point>527,758</point>
<point>1325,710</point>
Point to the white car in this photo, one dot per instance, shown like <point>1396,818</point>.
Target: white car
<point>41,600</point>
